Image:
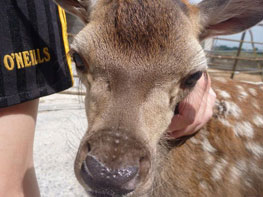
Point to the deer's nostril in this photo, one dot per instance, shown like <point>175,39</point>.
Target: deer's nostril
<point>88,147</point>
<point>101,178</point>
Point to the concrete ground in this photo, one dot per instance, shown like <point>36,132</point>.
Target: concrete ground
<point>60,126</point>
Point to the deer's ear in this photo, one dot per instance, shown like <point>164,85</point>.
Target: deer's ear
<point>80,8</point>
<point>222,17</point>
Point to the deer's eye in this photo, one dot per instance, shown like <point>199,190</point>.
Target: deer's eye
<point>80,65</point>
<point>191,80</point>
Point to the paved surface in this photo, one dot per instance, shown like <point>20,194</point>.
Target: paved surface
<point>60,126</point>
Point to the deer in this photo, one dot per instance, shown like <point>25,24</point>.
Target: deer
<point>138,59</point>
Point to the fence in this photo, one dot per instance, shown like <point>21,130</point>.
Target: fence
<point>239,61</point>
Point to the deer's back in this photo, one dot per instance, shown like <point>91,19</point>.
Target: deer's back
<point>225,158</point>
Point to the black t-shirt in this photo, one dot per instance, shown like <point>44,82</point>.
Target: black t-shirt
<point>34,60</point>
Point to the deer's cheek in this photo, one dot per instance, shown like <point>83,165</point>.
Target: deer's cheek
<point>155,119</point>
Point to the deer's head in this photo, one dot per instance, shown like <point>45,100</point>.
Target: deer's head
<point>138,59</point>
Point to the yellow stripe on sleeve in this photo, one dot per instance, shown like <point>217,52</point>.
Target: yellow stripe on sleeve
<point>63,22</point>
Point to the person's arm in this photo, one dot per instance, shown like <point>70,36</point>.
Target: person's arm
<point>195,110</point>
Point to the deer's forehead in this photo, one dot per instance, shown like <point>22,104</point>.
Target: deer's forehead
<point>177,56</point>
<point>144,25</point>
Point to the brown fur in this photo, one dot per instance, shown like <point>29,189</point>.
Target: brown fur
<point>191,166</point>
<point>138,53</point>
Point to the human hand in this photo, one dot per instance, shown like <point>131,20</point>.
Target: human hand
<point>195,110</point>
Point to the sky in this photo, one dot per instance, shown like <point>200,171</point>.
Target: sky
<point>257,33</point>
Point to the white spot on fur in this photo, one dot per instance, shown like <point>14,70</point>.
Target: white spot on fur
<point>224,94</point>
<point>207,146</point>
<point>256,168</point>
<point>242,165</point>
<point>218,169</point>
<point>235,174</point>
<point>242,93</point>
<point>258,120</point>
<point>255,104</point>
<point>248,183</point>
<point>209,159</point>
<point>194,140</point>
<point>225,122</point>
<point>255,149</point>
<point>233,109</point>
<point>253,91</point>
<point>239,87</point>
<point>203,185</point>
<point>244,129</point>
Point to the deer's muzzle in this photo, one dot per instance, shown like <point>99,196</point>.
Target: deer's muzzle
<point>115,164</point>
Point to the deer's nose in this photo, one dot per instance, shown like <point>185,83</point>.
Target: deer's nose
<point>115,163</point>
<point>105,180</point>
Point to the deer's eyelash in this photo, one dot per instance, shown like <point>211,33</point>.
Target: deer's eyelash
<point>80,63</point>
<point>191,80</point>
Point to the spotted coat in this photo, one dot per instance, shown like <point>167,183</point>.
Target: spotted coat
<point>226,156</point>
